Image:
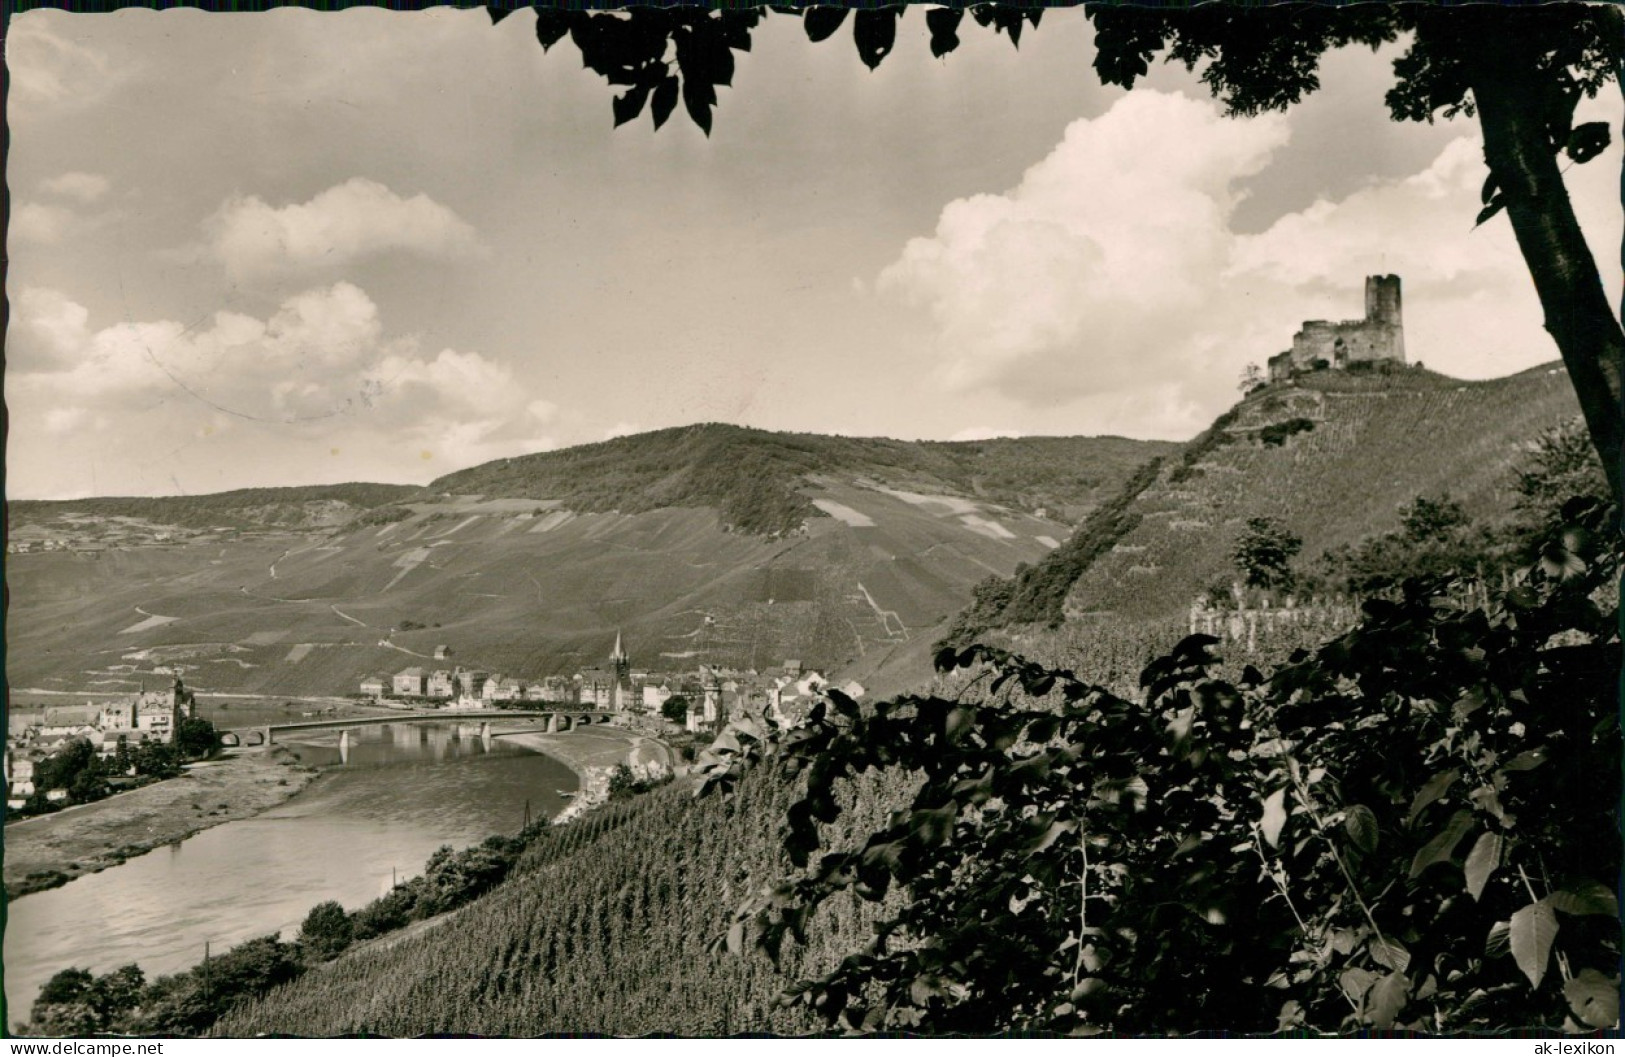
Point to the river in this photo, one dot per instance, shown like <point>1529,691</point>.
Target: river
<point>384,803</point>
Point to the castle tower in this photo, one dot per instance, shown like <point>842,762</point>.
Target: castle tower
<point>1382,299</point>
<point>1382,310</point>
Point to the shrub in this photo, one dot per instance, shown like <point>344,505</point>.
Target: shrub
<point>327,931</point>
<point>1264,552</point>
<point>1276,434</point>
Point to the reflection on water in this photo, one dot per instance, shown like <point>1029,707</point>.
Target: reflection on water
<point>397,743</point>
<point>385,803</point>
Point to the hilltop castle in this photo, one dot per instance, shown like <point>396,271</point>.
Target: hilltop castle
<point>1379,337</point>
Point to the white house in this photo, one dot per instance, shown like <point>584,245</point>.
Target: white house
<point>409,682</point>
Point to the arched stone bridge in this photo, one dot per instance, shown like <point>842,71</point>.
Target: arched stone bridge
<point>558,721</point>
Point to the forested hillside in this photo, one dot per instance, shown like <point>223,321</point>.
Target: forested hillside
<point>755,478</point>
<point>313,506</point>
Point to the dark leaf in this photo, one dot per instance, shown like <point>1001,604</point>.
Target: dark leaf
<point>1468,703</point>
<point>821,22</point>
<point>844,704</point>
<point>1390,954</point>
<point>1533,930</point>
<point>1356,982</point>
<point>1585,899</point>
<point>944,25</point>
<point>1361,825</point>
<point>551,26</point>
<point>698,98</point>
<point>934,826</point>
<point>1435,788</point>
<point>664,100</point>
<point>1274,817</point>
<point>1587,141</point>
<point>629,104</point>
<point>875,32</point>
<point>1481,863</point>
<point>1443,845</point>
<point>1388,997</point>
<point>1527,761</point>
<point>1491,183</point>
<point>1499,940</point>
<point>1050,834</point>
<point>1494,206</point>
<point>1594,998</point>
<point>498,13</point>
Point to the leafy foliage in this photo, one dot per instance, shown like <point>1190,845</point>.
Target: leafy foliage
<point>73,1002</point>
<point>1264,553</point>
<point>1278,433</point>
<point>675,708</point>
<point>1426,518</point>
<point>196,737</point>
<point>326,931</point>
<point>1560,462</point>
<point>1408,827</point>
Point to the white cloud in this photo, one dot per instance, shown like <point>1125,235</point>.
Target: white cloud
<point>244,399</point>
<point>40,223</point>
<point>356,219</point>
<point>1045,291</point>
<point>47,330</point>
<point>983,433</point>
<point>1110,279</point>
<point>86,187</point>
<point>49,68</point>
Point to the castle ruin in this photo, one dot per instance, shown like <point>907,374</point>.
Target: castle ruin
<point>1379,337</point>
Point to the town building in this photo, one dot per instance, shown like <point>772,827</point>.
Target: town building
<point>373,686</point>
<point>410,682</point>
<point>471,682</point>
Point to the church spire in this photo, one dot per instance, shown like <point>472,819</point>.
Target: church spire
<point>618,655</point>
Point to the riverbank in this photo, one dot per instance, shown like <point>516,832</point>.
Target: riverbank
<point>593,753</point>
<point>591,747</point>
<point>52,850</point>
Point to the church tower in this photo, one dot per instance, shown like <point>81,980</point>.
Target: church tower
<point>620,673</point>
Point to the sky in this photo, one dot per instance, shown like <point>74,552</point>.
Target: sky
<point>304,248</point>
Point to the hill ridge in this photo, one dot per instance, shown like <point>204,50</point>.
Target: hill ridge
<point>1331,454</point>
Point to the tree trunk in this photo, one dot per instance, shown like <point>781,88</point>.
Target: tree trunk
<point>1507,84</point>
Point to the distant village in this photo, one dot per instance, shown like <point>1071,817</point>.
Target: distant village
<point>148,718</point>
<point>709,696</point>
